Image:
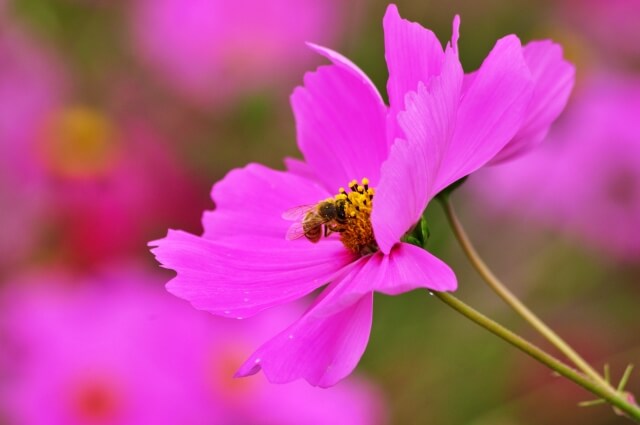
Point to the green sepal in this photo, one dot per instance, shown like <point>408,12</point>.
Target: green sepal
<point>419,235</point>
<point>426,233</point>
<point>412,240</point>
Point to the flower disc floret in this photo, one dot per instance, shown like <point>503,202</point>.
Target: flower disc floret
<point>357,232</point>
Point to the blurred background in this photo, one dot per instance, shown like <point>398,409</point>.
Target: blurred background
<point>117,116</point>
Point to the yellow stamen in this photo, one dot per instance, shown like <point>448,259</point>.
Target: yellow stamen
<point>357,233</point>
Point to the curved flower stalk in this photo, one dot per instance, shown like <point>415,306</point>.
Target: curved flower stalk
<point>592,184</point>
<point>439,127</point>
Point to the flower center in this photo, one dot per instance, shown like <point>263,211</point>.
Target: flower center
<point>96,400</point>
<point>78,142</point>
<point>225,359</point>
<point>356,232</point>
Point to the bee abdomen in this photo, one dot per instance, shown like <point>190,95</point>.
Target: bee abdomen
<point>313,233</point>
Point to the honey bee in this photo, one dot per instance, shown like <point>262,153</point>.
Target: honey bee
<point>312,221</point>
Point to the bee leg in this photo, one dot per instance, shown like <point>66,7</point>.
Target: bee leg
<point>331,229</point>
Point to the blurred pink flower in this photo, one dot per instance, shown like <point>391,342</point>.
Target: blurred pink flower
<point>585,179</point>
<point>115,180</point>
<point>611,25</point>
<point>452,126</point>
<point>213,49</point>
<point>115,349</point>
<point>30,83</point>
<point>76,172</point>
<point>95,180</point>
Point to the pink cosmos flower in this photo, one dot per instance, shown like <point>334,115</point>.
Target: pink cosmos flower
<point>92,175</point>
<point>115,349</point>
<point>585,179</point>
<point>439,127</point>
<point>214,49</point>
<point>103,169</point>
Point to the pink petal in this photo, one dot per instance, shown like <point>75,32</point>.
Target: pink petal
<point>455,34</point>
<point>410,174</point>
<point>554,78</point>
<point>340,126</point>
<point>242,276</point>
<point>321,349</point>
<point>413,54</point>
<point>491,111</point>
<point>406,268</point>
<point>326,344</point>
<point>346,64</point>
<point>402,193</point>
<point>300,168</point>
<point>410,267</point>
<point>250,201</point>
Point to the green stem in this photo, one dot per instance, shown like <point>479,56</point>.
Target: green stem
<point>604,391</point>
<point>504,293</point>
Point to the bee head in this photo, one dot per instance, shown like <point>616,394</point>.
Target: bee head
<point>341,214</point>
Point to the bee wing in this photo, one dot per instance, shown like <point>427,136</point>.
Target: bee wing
<point>297,213</point>
<point>301,228</point>
<point>295,231</point>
